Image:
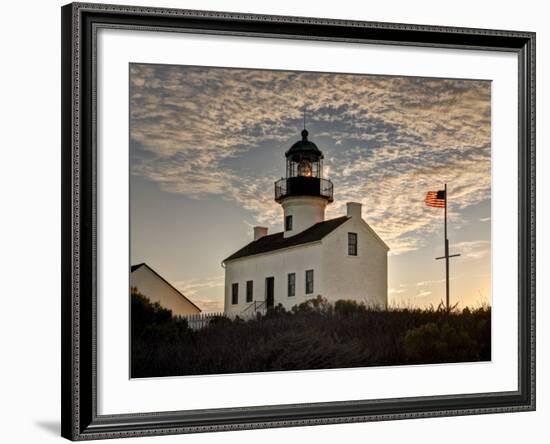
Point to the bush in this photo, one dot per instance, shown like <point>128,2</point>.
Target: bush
<point>316,306</point>
<point>441,342</point>
<point>348,308</point>
<point>315,334</point>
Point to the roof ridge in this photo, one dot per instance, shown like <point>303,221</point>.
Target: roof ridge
<point>297,234</point>
<point>167,282</point>
<point>277,241</point>
<point>136,266</point>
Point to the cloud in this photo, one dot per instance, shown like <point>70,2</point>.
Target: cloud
<point>204,292</point>
<point>431,282</point>
<point>423,294</point>
<point>473,249</point>
<point>215,132</point>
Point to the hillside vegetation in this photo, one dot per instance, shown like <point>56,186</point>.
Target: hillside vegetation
<point>314,335</point>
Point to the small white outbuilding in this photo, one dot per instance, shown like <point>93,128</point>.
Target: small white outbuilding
<point>341,258</point>
<point>157,289</point>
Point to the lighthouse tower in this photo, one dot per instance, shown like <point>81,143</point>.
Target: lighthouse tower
<point>303,193</point>
<point>338,258</point>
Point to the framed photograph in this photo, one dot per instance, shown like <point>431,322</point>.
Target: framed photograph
<point>281,221</point>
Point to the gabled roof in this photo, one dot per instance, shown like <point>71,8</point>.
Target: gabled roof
<point>135,267</point>
<point>277,241</point>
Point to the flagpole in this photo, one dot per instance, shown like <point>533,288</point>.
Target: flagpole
<point>446,255</point>
<point>433,199</point>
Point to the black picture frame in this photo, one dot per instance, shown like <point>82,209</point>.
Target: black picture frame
<point>78,333</point>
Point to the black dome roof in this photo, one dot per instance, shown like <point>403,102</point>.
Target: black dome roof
<point>304,146</point>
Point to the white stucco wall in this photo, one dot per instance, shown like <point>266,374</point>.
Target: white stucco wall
<point>305,211</point>
<point>363,277</point>
<point>156,289</point>
<point>277,264</point>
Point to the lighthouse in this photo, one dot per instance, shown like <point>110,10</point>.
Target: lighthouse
<point>304,194</point>
<point>338,258</point>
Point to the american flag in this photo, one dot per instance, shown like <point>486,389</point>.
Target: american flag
<point>435,199</point>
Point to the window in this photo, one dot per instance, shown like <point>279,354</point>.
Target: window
<point>288,223</point>
<point>235,294</point>
<point>249,291</point>
<point>291,284</point>
<point>352,244</point>
<point>309,281</point>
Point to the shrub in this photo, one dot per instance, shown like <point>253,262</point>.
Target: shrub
<point>317,305</point>
<point>313,335</point>
<point>439,342</point>
<point>347,308</point>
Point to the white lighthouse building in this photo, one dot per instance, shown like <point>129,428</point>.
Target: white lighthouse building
<point>341,258</point>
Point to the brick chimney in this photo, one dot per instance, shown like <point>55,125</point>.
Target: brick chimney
<point>354,209</point>
<point>259,232</point>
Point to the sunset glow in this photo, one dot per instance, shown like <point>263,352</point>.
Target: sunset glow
<point>207,144</point>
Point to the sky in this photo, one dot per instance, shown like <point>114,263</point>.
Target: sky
<point>207,144</point>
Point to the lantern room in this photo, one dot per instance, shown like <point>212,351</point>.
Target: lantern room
<point>304,172</point>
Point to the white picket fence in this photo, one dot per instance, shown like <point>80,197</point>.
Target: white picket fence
<point>201,320</point>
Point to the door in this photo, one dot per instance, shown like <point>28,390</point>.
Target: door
<point>269,292</point>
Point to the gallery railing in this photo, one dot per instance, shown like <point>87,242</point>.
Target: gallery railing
<point>304,186</point>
